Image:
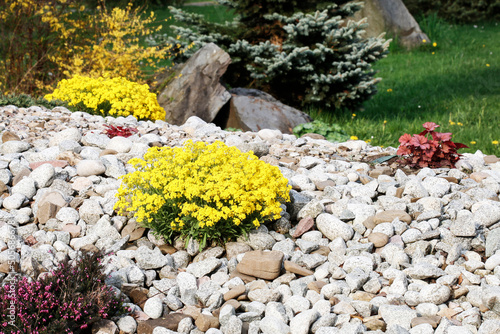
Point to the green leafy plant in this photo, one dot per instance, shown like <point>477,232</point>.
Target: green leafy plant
<point>202,192</point>
<point>25,101</point>
<point>332,132</point>
<point>421,151</point>
<point>230,129</point>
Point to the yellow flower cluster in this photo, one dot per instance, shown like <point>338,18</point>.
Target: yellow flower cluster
<point>109,96</point>
<point>202,191</point>
<point>455,123</point>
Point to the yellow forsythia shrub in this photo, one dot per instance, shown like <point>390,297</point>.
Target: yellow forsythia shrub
<point>44,41</point>
<point>109,96</point>
<point>201,191</point>
<point>109,41</point>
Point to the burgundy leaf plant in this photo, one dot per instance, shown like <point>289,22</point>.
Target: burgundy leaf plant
<point>435,151</point>
<point>122,131</point>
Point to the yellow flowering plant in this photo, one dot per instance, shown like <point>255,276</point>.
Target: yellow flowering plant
<point>43,41</point>
<point>200,191</point>
<point>113,46</point>
<point>108,97</point>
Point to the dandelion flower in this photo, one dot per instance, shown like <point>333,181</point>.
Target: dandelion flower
<point>354,138</point>
<point>434,44</point>
<point>433,52</point>
<point>353,115</point>
<point>460,124</point>
<point>487,65</point>
<point>473,142</point>
<point>385,121</point>
<point>424,41</point>
<point>495,142</point>
<point>389,90</point>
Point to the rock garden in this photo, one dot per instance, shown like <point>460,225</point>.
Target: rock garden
<point>359,248</point>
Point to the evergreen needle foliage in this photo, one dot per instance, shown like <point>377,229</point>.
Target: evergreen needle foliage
<point>305,57</point>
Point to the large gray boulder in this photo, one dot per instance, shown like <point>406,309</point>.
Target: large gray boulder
<point>195,89</point>
<point>254,110</point>
<point>393,17</point>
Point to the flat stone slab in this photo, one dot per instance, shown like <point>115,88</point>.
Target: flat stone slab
<point>261,264</point>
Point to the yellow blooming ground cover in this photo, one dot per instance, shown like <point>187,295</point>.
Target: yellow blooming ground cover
<point>209,192</point>
<point>109,96</point>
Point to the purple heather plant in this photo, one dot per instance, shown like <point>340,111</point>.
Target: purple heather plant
<point>68,300</point>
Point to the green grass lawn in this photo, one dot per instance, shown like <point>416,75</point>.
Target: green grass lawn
<point>455,84</point>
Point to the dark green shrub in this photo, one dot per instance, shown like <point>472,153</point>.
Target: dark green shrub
<point>458,11</point>
<point>301,55</point>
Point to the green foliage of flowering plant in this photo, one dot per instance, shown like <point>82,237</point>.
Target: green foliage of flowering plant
<point>109,97</point>
<point>332,132</point>
<point>207,192</point>
<point>26,101</point>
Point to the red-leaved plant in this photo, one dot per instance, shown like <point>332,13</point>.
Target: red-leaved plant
<point>122,131</point>
<point>421,151</point>
<point>69,300</point>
